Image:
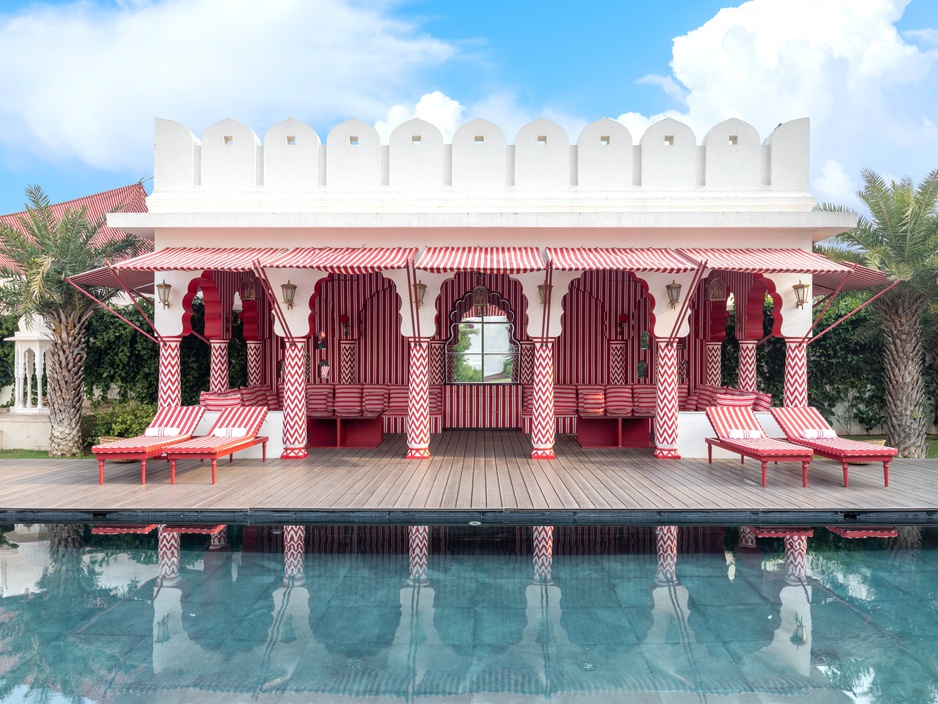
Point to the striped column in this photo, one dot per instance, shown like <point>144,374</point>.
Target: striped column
<point>747,365</point>
<point>169,388</point>
<point>294,400</point>
<point>294,538</point>
<point>543,553</point>
<point>418,412</point>
<point>617,356</point>
<point>418,554</point>
<point>714,364</point>
<point>542,424</point>
<point>666,548</point>
<point>349,358</point>
<point>796,559</point>
<point>255,362</point>
<point>796,372</point>
<point>168,556</point>
<point>218,375</point>
<point>666,402</point>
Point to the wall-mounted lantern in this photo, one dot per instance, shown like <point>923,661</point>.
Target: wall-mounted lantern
<point>641,369</point>
<point>247,290</point>
<point>801,293</point>
<point>162,291</point>
<point>543,291</point>
<point>674,293</point>
<point>420,291</point>
<point>324,369</point>
<point>289,293</point>
<point>716,290</point>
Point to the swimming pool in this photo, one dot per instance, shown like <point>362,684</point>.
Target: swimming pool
<point>146,613</point>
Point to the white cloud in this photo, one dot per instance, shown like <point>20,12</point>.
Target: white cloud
<point>438,109</point>
<point>84,80</point>
<point>868,92</point>
<point>834,185</point>
<point>667,84</point>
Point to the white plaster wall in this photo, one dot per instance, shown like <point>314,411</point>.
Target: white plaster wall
<point>177,156</point>
<point>669,156</point>
<point>788,146</point>
<point>291,157</point>
<point>604,156</point>
<point>480,156</point>
<point>542,156</point>
<point>795,321</point>
<point>24,431</point>
<point>415,156</point>
<point>353,156</point>
<point>231,157</point>
<point>733,156</point>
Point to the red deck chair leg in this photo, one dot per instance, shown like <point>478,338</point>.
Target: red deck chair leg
<point>844,463</point>
<point>143,471</point>
<point>886,471</point>
<point>804,474</point>
<point>742,459</point>
<point>264,454</point>
<point>709,452</point>
<point>172,471</point>
<point>764,463</point>
<point>214,462</point>
<point>231,458</point>
<point>101,472</point>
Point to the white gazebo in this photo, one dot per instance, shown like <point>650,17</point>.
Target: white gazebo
<point>31,342</point>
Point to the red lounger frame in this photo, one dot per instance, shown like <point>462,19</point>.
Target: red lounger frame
<point>211,447</point>
<point>761,448</point>
<point>143,447</point>
<point>793,420</point>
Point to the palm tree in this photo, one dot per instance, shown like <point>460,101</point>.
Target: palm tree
<point>900,238</point>
<point>41,251</point>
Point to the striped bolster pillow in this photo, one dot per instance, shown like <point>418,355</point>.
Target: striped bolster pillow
<point>737,400</point>
<point>818,433</point>
<point>742,434</point>
<point>219,400</point>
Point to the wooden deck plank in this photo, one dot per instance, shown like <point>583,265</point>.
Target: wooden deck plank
<point>475,470</point>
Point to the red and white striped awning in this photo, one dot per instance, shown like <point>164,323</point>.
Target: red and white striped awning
<point>103,277</point>
<point>344,260</point>
<point>666,261</point>
<point>201,259</point>
<point>863,277</point>
<point>766,261</point>
<point>485,260</point>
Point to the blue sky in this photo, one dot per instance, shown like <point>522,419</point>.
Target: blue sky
<point>82,81</point>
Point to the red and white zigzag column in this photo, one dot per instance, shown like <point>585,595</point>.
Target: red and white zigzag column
<point>714,364</point>
<point>542,424</point>
<point>796,559</point>
<point>218,374</point>
<point>418,553</point>
<point>666,548</point>
<point>169,390</point>
<point>543,552</point>
<point>294,538</point>
<point>747,365</point>
<point>255,362</point>
<point>294,400</point>
<point>666,406</point>
<point>796,372</point>
<point>418,415</point>
<point>168,556</point>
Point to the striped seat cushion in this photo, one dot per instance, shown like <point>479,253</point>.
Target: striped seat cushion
<point>742,400</point>
<point>619,400</point>
<point>254,395</point>
<point>348,400</point>
<point>762,403</point>
<point>591,400</point>
<point>250,418</point>
<point>646,399</point>
<point>183,418</point>
<point>374,400</point>
<point>219,400</point>
<point>707,396</point>
<point>564,400</point>
<point>436,399</point>
<point>320,400</point>
<point>527,399</point>
<point>398,400</point>
<point>691,403</point>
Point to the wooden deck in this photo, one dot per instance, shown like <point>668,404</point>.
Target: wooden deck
<point>481,475</point>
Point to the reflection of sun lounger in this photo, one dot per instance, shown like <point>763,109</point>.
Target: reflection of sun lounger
<point>806,426</point>
<point>169,426</point>
<point>235,430</point>
<point>738,430</point>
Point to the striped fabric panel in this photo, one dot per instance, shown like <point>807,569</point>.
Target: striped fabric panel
<point>494,260</point>
<point>436,398</point>
<point>249,417</point>
<point>792,420</point>
<point>482,406</point>
<point>863,277</point>
<point>690,404</point>
<point>743,400</point>
<point>722,418</point>
<point>398,399</point>
<point>348,400</point>
<point>273,402</point>
<point>320,399</point>
<point>707,396</point>
<point>374,399</point>
<point>527,399</point>
<point>186,418</point>
<point>667,261</point>
<point>762,403</point>
<point>591,400</point>
<point>345,260</point>
<point>141,443</point>
<point>768,261</point>
<point>849,448</point>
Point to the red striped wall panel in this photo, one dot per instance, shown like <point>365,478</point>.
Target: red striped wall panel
<point>482,406</point>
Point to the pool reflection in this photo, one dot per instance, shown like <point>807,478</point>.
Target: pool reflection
<point>303,613</point>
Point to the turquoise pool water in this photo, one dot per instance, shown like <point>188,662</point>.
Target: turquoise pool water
<point>284,614</point>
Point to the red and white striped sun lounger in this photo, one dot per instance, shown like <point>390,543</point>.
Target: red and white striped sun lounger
<point>796,422</point>
<point>738,430</point>
<point>169,426</point>
<point>236,429</point>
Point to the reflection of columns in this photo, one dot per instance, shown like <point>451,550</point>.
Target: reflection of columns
<point>294,400</point>
<point>255,362</point>
<point>796,559</point>
<point>617,358</point>
<point>218,374</point>
<point>796,372</point>
<point>747,554</point>
<point>543,552</point>
<point>666,406</point>
<point>293,551</point>
<point>168,554</point>
<point>349,367</point>
<point>747,365</point>
<point>219,540</point>
<point>666,546</point>
<point>418,405</point>
<point>542,424</point>
<point>714,364</point>
<point>169,393</point>
<point>418,554</point>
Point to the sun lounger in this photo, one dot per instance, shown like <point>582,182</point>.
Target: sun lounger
<point>236,429</point>
<point>168,427</point>
<point>738,430</point>
<point>799,422</point>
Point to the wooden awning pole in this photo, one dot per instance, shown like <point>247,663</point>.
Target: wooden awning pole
<point>111,310</point>
<point>272,299</point>
<point>130,293</point>
<point>830,299</point>
<point>685,306</point>
<point>853,312</point>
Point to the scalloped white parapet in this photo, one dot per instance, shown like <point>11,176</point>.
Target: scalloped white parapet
<point>605,158</point>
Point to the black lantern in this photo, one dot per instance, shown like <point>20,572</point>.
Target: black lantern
<point>289,293</point>
<point>162,291</point>
<point>801,293</point>
<point>674,293</point>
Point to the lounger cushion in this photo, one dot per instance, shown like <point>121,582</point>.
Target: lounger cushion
<point>818,433</point>
<point>591,400</point>
<point>741,400</point>
<point>229,432</point>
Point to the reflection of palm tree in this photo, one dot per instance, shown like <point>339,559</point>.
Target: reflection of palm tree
<point>38,630</point>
